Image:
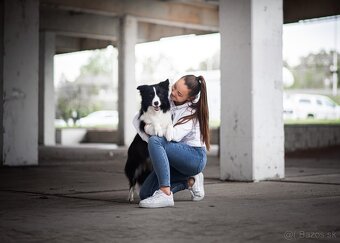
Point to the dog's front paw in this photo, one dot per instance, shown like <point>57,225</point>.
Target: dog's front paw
<point>159,131</point>
<point>168,134</point>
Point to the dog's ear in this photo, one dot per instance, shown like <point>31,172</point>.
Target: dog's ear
<point>141,87</point>
<point>165,84</point>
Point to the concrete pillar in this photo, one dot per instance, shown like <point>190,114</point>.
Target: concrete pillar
<point>1,78</point>
<point>20,82</point>
<point>252,138</point>
<point>126,79</point>
<point>46,89</point>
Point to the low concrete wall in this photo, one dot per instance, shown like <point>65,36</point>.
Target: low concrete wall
<point>297,137</point>
<point>303,137</point>
<point>73,136</point>
<point>101,136</point>
<point>110,136</point>
<point>70,136</point>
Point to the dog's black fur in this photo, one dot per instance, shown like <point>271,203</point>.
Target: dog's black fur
<point>138,165</point>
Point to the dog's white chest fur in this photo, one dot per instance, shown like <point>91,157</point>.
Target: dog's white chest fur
<point>158,123</point>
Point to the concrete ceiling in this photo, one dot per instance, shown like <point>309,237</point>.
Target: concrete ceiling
<point>88,24</point>
<point>296,10</point>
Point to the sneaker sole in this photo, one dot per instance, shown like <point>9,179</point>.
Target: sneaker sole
<point>196,199</point>
<point>156,205</point>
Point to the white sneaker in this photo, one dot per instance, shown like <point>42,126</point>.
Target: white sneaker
<point>197,190</point>
<point>158,200</point>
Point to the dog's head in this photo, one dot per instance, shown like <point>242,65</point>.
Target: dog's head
<point>156,95</point>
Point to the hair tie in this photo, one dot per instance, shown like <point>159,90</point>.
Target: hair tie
<point>199,80</point>
<point>197,98</point>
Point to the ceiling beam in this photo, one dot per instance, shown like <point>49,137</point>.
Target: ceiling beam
<point>187,14</point>
<point>77,24</point>
<point>66,44</point>
<point>85,26</point>
<point>171,13</point>
<point>154,32</point>
<point>146,32</point>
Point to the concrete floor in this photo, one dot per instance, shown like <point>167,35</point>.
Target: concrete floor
<point>83,199</point>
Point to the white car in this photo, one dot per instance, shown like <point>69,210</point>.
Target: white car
<point>304,106</point>
<point>100,118</point>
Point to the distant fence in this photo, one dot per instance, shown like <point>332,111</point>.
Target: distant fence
<point>297,137</point>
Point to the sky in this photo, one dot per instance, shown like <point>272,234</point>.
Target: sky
<point>305,37</point>
<point>299,39</point>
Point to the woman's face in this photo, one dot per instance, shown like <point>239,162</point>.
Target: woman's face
<point>179,92</point>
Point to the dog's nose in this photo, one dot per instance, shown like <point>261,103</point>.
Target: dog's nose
<point>156,103</point>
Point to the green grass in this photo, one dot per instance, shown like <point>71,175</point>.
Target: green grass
<point>312,121</point>
<point>216,124</point>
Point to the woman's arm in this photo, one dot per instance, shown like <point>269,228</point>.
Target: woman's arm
<point>136,123</point>
<point>180,131</point>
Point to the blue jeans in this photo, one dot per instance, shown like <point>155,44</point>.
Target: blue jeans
<point>173,163</point>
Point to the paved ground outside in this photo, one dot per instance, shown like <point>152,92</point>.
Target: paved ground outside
<point>85,200</point>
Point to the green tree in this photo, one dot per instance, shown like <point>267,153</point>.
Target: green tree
<point>313,70</point>
<point>74,101</point>
<point>77,99</point>
<point>100,63</point>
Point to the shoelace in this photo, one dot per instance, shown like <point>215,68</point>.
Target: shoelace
<point>157,194</point>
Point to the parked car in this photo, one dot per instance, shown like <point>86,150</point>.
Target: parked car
<point>99,118</point>
<point>304,106</point>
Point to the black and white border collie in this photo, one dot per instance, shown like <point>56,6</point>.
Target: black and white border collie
<point>155,113</point>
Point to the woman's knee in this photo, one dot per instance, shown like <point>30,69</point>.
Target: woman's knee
<point>155,140</point>
<point>202,165</point>
<point>200,168</point>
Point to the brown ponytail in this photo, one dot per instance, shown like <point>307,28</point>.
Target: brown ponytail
<point>197,85</point>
